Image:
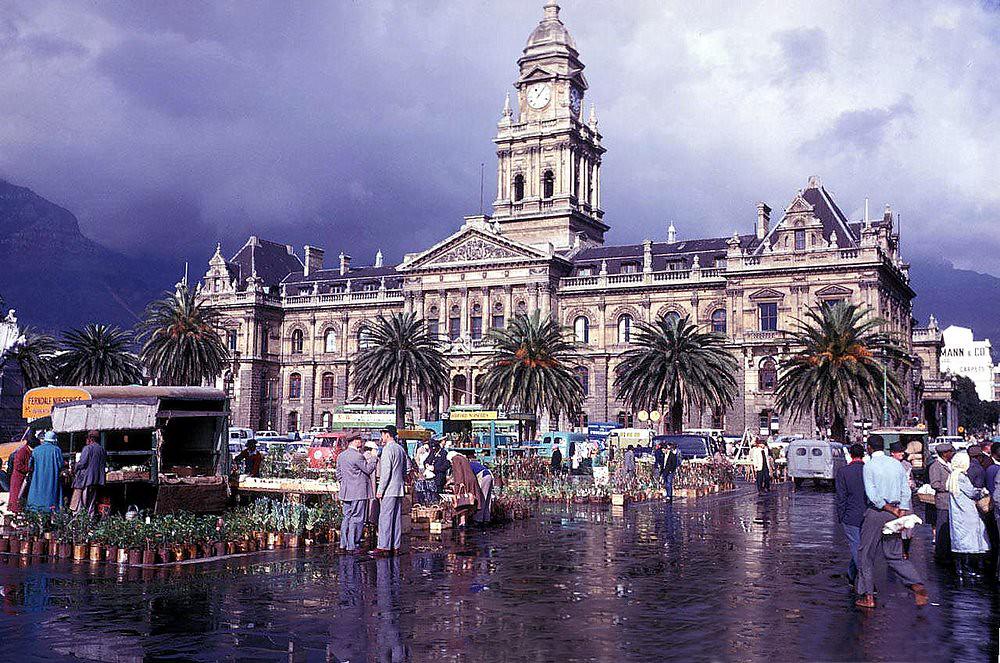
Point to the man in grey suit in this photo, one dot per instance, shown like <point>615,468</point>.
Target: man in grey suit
<point>392,474</point>
<point>354,472</point>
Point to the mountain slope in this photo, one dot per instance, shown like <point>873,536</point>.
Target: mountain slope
<point>56,277</point>
<point>957,297</point>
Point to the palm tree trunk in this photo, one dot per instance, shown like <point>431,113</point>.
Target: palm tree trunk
<point>400,408</point>
<point>838,429</point>
<point>677,416</point>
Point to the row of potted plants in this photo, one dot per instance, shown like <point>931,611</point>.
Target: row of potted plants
<point>158,539</point>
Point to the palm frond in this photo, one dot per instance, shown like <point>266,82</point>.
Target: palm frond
<point>35,354</point>
<point>98,355</point>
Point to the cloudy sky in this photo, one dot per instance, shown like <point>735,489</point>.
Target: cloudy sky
<point>359,125</point>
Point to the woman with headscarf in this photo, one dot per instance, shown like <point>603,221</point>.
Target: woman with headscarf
<point>20,467</point>
<point>464,482</point>
<point>968,535</point>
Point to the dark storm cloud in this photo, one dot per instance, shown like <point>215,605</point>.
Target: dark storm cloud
<point>362,125</point>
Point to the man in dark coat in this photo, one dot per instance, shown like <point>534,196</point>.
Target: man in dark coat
<point>556,460</point>
<point>671,461</point>
<point>88,475</point>
<point>976,472</point>
<point>850,503</point>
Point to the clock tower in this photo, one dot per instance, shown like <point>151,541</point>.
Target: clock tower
<point>548,155</point>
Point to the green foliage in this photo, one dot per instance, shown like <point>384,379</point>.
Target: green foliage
<point>35,355</point>
<point>840,367</point>
<point>398,357</point>
<point>181,342</point>
<point>674,363</point>
<point>531,368</point>
<point>98,355</point>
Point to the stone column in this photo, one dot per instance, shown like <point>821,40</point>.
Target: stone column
<point>464,313</point>
<point>534,297</point>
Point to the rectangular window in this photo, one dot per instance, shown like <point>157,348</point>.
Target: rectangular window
<point>768,316</point>
<point>800,240</point>
<point>498,321</point>
<point>433,328</point>
<point>630,268</point>
<point>454,328</point>
<point>585,271</point>
<point>231,340</point>
<point>477,326</point>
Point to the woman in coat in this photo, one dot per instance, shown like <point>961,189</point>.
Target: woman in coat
<point>20,467</point>
<point>968,535</point>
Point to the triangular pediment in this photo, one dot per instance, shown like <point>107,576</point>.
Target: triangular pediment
<point>536,73</point>
<point>767,293</point>
<point>799,206</point>
<point>833,291</point>
<point>473,246</point>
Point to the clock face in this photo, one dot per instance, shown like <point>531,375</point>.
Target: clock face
<point>539,95</point>
<point>575,97</point>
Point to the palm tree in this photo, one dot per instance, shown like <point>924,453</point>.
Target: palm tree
<point>674,363</point>
<point>35,354</point>
<point>532,368</point>
<point>398,357</point>
<point>98,355</point>
<point>181,342</point>
<point>838,370</point>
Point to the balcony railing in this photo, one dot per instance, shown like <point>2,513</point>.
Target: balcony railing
<point>641,278</point>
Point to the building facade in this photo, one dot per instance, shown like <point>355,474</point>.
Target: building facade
<point>294,323</point>
<point>962,354</point>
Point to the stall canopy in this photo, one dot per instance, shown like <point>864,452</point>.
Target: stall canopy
<point>136,414</point>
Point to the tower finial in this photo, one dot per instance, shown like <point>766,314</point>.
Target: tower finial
<point>506,105</point>
<point>551,9</point>
<point>593,116</point>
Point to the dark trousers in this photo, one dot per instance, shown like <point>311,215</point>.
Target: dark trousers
<point>88,500</point>
<point>942,537</point>
<point>763,480</point>
<point>874,546</point>
<point>668,484</point>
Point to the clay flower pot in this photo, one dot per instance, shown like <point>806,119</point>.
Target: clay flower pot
<point>177,554</point>
<point>39,547</point>
<point>148,556</point>
<point>192,551</point>
<point>272,540</point>
<point>163,555</point>
<point>80,551</point>
<point>122,557</point>
<point>291,540</point>
<point>4,543</point>
<point>135,556</point>
<point>65,550</point>
<point>113,555</point>
<point>25,547</point>
<point>96,552</point>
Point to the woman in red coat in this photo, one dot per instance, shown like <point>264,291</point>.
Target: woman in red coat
<point>21,469</point>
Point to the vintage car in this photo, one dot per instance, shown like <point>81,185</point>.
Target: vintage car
<point>818,460</point>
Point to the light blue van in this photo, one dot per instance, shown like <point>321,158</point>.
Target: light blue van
<point>566,442</point>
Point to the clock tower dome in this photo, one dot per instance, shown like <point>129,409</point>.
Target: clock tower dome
<point>548,156</point>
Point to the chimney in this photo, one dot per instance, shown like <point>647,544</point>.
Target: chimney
<point>647,255</point>
<point>763,220</point>
<point>314,259</point>
<point>345,263</point>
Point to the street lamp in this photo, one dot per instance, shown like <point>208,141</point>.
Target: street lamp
<point>885,391</point>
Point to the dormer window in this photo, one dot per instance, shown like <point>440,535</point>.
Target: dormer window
<point>518,187</point>
<point>630,268</point>
<point>548,184</point>
<point>800,240</point>
<point>585,271</point>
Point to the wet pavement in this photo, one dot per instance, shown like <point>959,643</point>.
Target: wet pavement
<point>728,577</point>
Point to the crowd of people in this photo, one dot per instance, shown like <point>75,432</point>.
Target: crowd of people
<point>875,508</point>
<point>39,475</point>
<point>372,478</point>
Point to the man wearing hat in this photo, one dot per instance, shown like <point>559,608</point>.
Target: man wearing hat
<point>45,487</point>
<point>391,478</point>
<point>89,473</point>
<point>937,477</point>
<point>354,472</point>
<point>976,472</point>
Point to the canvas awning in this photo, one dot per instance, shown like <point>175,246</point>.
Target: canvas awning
<point>136,414</point>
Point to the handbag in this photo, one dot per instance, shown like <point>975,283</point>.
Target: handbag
<point>463,498</point>
<point>984,504</point>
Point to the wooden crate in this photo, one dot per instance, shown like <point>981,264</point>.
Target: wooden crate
<point>617,499</point>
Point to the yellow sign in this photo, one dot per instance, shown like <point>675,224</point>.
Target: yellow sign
<point>39,402</point>
<point>473,415</point>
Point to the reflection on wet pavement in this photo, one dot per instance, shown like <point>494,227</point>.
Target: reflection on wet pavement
<point>731,577</point>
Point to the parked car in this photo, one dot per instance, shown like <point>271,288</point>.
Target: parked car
<point>325,448</point>
<point>267,433</point>
<point>818,460</point>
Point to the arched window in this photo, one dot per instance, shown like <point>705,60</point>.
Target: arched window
<point>295,386</point>
<point>767,375</point>
<point>231,339</point>
<point>330,341</point>
<point>673,317</point>
<point>455,323</point>
<point>364,337</point>
<point>476,322</point>
<point>719,321</point>
<point>583,376</point>
<point>297,342</point>
<point>581,330</point>
<point>293,421</point>
<point>518,187</point>
<point>548,184</point>
<point>459,390</point>
<point>328,385</point>
<point>625,329</point>
<point>522,308</point>
<point>326,420</point>
<point>433,323</point>
<point>498,320</point>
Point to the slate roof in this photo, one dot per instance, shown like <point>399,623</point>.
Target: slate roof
<point>680,253</point>
<point>272,261</point>
<point>829,214</point>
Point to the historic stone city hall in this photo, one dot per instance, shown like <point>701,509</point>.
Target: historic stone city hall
<point>294,323</point>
